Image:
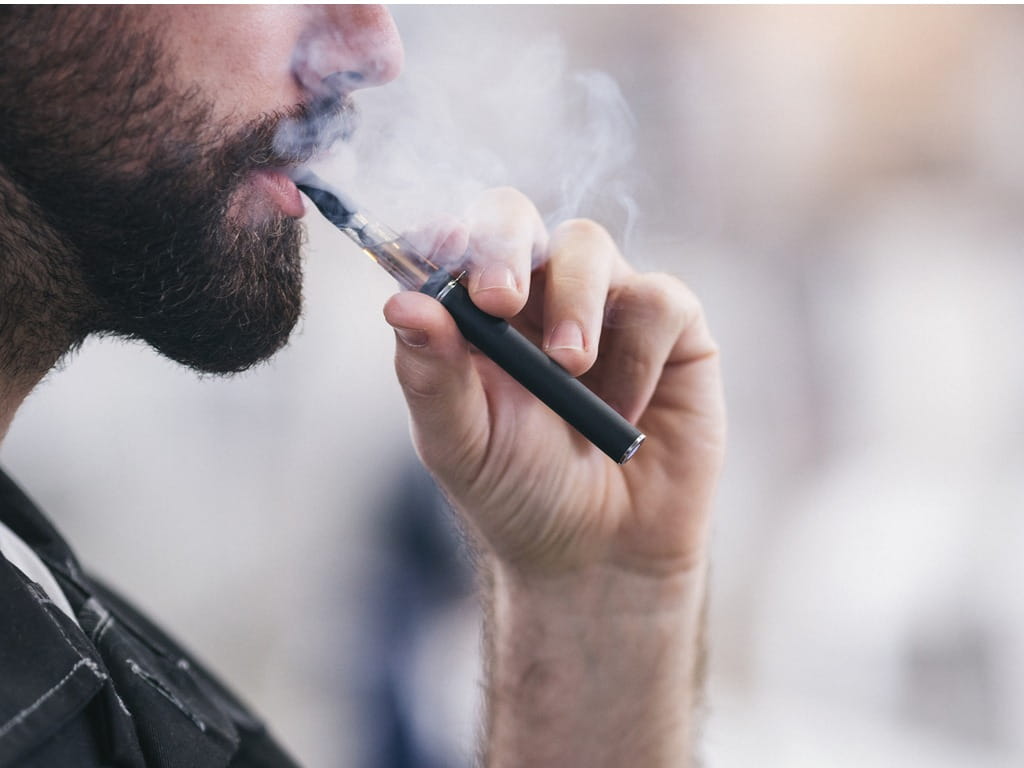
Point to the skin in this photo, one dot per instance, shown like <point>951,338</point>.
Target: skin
<point>594,573</point>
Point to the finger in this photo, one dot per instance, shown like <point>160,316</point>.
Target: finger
<point>443,241</point>
<point>652,321</point>
<point>582,257</point>
<point>447,405</point>
<point>505,233</point>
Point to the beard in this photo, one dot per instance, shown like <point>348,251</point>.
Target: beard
<point>148,194</point>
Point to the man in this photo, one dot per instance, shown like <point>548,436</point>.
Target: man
<point>142,196</point>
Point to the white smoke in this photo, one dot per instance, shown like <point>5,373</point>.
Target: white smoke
<point>482,108</point>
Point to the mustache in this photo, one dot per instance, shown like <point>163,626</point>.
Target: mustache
<point>290,138</point>
<point>312,129</point>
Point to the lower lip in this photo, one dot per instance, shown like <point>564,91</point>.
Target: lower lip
<point>282,191</point>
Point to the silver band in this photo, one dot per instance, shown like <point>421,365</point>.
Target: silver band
<point>632,449</point>
<point>447,288</point>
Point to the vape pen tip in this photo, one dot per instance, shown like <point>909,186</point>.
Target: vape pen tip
<point>303,177</point>
<point>325,197</point>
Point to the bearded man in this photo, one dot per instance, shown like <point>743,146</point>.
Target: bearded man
<point>141,196</point>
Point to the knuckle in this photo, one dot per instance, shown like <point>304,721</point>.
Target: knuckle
<point>570,284</point>
<point>672,294</point>
<point>659,292</point>
<point>507,200</point>
<point>662,297</point>
<point>586,230</point>
<point>508,194</point>
<point>503,223</point>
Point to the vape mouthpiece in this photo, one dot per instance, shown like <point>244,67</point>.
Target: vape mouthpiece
<point>330,202</point>
<point>541,375</point>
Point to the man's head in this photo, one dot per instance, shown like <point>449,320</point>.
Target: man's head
<point>140,188</point>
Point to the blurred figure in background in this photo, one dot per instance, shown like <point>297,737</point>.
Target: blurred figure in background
<point>420,652</point>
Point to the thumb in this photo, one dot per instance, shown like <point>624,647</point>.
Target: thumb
<point>447,404</point>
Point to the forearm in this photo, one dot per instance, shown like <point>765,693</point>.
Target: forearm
<point>602,668</point>
<point>588,665</point>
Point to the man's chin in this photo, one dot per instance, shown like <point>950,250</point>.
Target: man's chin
<point>220,305</point>
<point>228,351</point>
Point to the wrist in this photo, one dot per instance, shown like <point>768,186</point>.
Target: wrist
<point>597,592</point>
<point>600,663</point>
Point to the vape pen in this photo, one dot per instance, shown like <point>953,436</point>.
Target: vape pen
<point>494,337</point>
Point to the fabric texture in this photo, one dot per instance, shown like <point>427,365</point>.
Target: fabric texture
<point>112,690</point>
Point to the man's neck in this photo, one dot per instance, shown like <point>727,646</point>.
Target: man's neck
<point>11,399</point>
<point>23,364</point>
<point>43,304</point>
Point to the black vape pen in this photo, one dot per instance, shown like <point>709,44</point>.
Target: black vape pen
<point>494,337</point>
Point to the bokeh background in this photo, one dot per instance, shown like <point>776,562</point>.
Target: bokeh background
<point>844,188</point>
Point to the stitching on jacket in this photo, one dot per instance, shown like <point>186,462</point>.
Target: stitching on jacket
<point>105,618</point>
<point>39,702</point>
<point>42,599</point>
<point>160,688</point>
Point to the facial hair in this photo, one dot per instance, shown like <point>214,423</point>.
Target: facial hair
<point>146,192</point>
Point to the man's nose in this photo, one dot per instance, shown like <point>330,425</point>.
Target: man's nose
<point>347,47</point>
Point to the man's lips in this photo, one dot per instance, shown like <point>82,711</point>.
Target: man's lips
<point>281,190</point>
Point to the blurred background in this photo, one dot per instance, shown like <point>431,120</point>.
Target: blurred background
<point>844,188</point>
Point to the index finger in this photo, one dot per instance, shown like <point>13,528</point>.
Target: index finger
<point>505,234</point>
<point>583,259</point>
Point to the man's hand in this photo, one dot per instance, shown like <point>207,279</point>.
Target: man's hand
<point>541,498</point>
<point>596,569</point>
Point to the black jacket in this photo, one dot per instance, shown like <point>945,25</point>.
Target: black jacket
<point>116,692</point>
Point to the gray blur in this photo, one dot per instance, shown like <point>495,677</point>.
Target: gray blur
<point>844,188</point>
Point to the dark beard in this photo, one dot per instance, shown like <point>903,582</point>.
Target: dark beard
<point>167,265</point>
<point>146,192</point>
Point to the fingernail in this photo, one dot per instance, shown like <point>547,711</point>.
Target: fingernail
<point>412,337</point>
<point>496,276</point>
<point>566,335</point>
